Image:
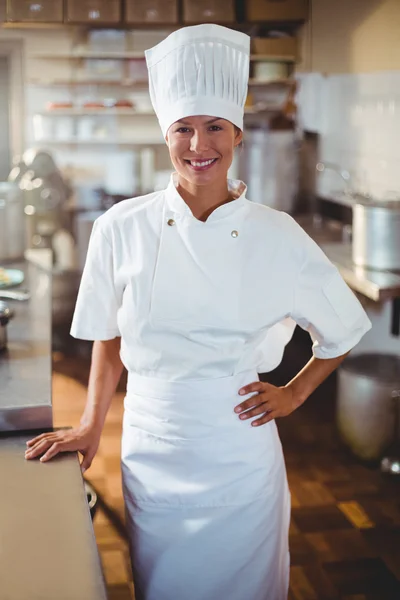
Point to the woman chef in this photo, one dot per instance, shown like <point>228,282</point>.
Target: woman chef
<point>184,288</point>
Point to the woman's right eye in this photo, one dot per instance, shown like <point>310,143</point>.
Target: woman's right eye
<point>182,130</point>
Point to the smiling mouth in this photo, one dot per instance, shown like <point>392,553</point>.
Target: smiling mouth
<point>201,164</point>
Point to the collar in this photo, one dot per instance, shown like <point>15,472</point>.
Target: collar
<point>177,205</point>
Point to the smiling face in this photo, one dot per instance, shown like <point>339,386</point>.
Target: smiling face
<point>201,148</point>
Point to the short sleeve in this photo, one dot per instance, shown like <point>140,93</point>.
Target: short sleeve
<point>325,306</point>
<point>98,301</point>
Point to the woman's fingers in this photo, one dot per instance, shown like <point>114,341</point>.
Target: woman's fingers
<point>38,448</point>
<point>258,410</point>
<point>44,443</point>
<point>256,386</point>
<point>265,419</point>
<point>87,461</point>
<point>38,438</point>
<point>53,450</point>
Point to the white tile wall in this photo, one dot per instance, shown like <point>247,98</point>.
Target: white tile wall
<point>358,119</point>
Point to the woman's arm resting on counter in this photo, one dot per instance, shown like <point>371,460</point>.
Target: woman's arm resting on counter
<point>105,372</point>
<point>272,402</point>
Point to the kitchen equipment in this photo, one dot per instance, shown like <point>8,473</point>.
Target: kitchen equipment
<point>268,165</point>
<point>10,277</point>
<point>5,315</point>
<point>366,413</point>
<point>376,234</point>
<point>43,192</point>
<point>64,290</point>
<point>391,463</point>
<point>12,222</point>
<point>20,295</point>
<point>91,498</point>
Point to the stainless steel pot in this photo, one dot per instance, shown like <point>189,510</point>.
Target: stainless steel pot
<point>367,400</point>
<point>12,222</point>
<point>269,166</point>
<point>376,234</point>
<point>5,315</point>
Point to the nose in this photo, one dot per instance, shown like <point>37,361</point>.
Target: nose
<point>199,142</point>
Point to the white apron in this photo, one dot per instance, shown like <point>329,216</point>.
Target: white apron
<point>206,494</point>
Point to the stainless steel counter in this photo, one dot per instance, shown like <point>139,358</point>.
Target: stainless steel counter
<point>376,285</point>
<point>25,368</point>
<point>47,545</point>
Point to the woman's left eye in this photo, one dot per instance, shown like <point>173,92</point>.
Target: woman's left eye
<point>215,128</point>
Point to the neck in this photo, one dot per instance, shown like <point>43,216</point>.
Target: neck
<point>204,199</point>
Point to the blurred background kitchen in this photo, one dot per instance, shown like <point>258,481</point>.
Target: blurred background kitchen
<point>78,134</point>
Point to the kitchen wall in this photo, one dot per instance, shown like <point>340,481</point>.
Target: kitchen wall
<point>350,92</point>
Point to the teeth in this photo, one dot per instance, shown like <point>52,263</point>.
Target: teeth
<point>196,163</point>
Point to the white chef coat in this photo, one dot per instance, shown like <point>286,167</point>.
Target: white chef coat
<point>145,280</point>
<point>201,308</point>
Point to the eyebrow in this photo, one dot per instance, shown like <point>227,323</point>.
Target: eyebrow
<point>206,123</point>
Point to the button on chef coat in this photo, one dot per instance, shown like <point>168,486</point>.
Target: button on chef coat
<point>191,300</point>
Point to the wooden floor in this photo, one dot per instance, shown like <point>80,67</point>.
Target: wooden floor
<point>345,529</point>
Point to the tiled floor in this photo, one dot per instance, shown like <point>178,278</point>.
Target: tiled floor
<point>345,531</point>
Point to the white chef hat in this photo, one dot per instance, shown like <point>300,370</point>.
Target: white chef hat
<point>200,70</point>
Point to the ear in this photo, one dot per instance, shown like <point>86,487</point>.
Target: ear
<point>238,136</point>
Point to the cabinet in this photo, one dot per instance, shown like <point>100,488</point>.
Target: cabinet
<point>93,11</point>
<point>151,11</point>
<point>276,10</point>
<point>45,11</point>
<point>214,11</point>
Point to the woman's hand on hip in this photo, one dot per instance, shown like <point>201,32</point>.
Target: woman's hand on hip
<point>269,401</point>
<point>83,439</point>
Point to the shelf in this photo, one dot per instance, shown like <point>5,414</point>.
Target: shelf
<point>271,82</point>
<point>88,82</point>
<point>272,58</point>
<point>117,112</point>
<point>88,54</point>
<point>108,112</point>
<point>241,25</point>
<point>100,142</point>
<point>140,84</point>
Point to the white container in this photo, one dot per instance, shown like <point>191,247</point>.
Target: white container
<point>85,128</point>
<point>122,173</point>
<point>269,71</point>
<point>107,40</point>
<point>64,128</point>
